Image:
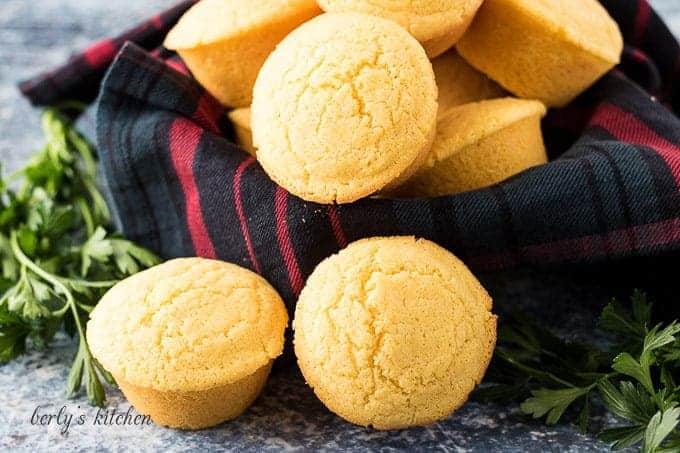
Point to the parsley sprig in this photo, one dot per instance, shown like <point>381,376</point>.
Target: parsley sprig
<point>57,250</point>
<point>635,376</point>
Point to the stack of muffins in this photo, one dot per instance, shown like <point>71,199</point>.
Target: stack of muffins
<point>366,98</point>
<point>353,98</point>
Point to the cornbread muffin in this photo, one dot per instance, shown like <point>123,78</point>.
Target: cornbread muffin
<point>240,118</point>
<point>190,341</point>
<point>459,83</point>
<point>345,106</point>
<point>393,332</point>
<point>550,50</point>
<point>436,24</point>
<point>225,42</point>
<point>480,144</point>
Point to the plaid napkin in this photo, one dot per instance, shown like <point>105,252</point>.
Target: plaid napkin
<point>181,187</point>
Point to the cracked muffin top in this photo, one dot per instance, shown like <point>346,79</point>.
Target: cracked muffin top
<point>188,324</point>
<point>345,106</point>
<point>393,332</point>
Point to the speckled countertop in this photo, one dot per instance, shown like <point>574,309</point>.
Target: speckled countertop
<point>38,35</point>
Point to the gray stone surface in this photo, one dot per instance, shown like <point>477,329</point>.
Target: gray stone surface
<point>288,416</point>
<point>670,11</point>
<point>37,35</point>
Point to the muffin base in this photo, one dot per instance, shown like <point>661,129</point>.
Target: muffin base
<point>491,160</point>
<point>529,59</point>
<point>197,409</point>
<point>459,83</point>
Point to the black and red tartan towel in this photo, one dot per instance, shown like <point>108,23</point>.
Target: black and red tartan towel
<point>181,187</point>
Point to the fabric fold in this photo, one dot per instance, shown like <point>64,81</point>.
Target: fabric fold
<point>185,189</point>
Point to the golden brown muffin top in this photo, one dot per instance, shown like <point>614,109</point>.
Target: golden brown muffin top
<point>393,331</point>
<point>209,21</point>
<point>187,324</point>
<point>343,107</point>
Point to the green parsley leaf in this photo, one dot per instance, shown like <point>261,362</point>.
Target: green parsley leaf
<point>130,258</point>
<point>623,437</point>
<point>628,401</point>
<point>96,248</point>
<point>635,377</point>
<point>57,251</point>
<point>13,334</point>
<point>659,427</point>
<point>551,403</point>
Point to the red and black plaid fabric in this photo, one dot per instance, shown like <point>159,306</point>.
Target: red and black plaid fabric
<point>181,187</point>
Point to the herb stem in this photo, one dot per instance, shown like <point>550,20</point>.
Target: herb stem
<point>53,279</point>
<point>604,377</point>
<point>87,216</point>
<point>533,371</point>
<point>62,311</point>
<point>89,284</point>
<point>85,152</point>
